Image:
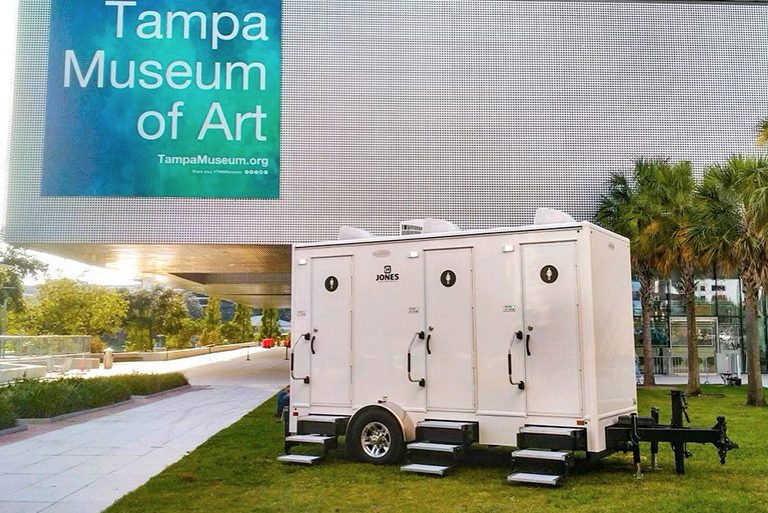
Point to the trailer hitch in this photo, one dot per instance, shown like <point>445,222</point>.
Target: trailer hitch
<point>724,444</point>
<point>629,431</point>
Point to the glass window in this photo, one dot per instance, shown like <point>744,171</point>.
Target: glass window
<point>706,294</point>
<point>676,303</point>
<point>659,334</point>
<point>636,310</point>
<point>706,332</point>
<point>729,297</point>
<point>729,334</point>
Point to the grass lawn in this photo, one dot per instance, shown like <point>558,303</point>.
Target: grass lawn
<point>235,471</point>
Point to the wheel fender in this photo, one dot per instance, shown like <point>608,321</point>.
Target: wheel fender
<point>406,424</point>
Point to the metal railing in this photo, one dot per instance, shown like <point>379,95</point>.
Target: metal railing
<point>58,353</point>
<point>712,365</point>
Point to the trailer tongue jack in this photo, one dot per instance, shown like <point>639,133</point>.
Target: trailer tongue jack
<point>629,431</point>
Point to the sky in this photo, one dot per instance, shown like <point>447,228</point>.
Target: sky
<point>57,267</point>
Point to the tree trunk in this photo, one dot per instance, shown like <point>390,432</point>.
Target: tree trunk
<point>688,288</point>
<point>755,396</point>
<point>646,282</point>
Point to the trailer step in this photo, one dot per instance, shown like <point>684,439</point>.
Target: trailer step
<point>524,477</point>
<point>444,424</point>
<point>541,455</point>
<point>447,432</point>
<point>299,458</point>
<point>420,468</point>
<point>427,446</point>
<point>327,425</point>
<point>310,439</point>
<point>542,462</point>
<point>550,430</point>
<point>552,437</point>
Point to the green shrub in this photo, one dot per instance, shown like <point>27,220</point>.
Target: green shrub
<point>7,416</point>
<point>43,399</point>
<point>147,384</point>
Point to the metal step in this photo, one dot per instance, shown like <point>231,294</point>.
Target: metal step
<point>448,432</point>
<point>541,455</point>
<point>427,446</point>
<point>323,418</point>
<point>551,430</point>
<point>299,458</point>
<point>309,439</point>
<point>443,424</point>
<point>328,425</point>
<point>420,468</point>
<point>524,477</point>
<point>552,437</point>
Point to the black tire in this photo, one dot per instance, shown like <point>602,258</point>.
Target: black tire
<point>375,437</point>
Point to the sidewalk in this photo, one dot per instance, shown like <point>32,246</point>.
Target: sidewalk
<point>86,467</point>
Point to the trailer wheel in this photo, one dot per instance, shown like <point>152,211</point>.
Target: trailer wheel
<point>375,436</point>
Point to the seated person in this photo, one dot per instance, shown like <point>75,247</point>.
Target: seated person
<point>283,400</point>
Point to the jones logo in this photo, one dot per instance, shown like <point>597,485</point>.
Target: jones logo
<point>388,275</point>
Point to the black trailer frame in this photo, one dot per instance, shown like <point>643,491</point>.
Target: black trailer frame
<point>627,434</point>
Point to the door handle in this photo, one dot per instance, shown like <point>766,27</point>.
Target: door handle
<point>520,384</point>
<point>528,344</point>
<point>422,382</point>
<point>312,344</point>
<point>305,379</point>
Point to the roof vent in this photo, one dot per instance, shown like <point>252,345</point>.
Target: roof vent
<point>412,227</point>
<point>439,226</point>
<point>551,216</point>
<point>350,233</point>
<point>418,226</point>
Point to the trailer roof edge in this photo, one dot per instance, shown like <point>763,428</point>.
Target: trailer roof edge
<point>461,233</point>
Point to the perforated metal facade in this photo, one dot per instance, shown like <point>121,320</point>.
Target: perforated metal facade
<point>473,111</point>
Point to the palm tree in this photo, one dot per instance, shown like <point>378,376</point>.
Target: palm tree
<point>671,187</point>
<point>731,230</point>
<point>627,211</point>
<point>762,132</point>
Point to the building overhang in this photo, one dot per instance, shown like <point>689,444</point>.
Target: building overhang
<point>257,275</point>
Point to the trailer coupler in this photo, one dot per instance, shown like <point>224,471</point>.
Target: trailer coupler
<point>630,430</point>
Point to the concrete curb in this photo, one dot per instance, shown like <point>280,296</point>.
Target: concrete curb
<point>160,394</point>
<point>15,429</point>
<point>66,416</point>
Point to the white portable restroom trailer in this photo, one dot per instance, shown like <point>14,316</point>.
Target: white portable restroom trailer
<point>510,337</point>
<point>493,330</point>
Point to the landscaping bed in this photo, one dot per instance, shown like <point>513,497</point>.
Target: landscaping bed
<point>235,471</point>
<point>31,399</point>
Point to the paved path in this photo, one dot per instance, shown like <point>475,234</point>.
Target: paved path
<point>83,468</point>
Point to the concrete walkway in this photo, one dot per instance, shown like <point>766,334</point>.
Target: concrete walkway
<point>86,467</point>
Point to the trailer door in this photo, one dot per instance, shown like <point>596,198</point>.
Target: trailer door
<point>551,332</point>
<point>331,346</point>
<point>450,329</point>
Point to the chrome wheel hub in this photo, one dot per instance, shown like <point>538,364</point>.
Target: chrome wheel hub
<point>376,439</point>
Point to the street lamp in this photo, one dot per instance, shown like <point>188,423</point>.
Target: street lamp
<point>4,320</point>
<point>6,268</point>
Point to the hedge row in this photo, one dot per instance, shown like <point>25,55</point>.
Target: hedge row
<point>7,415</point>
<point>147,384</point>
<point>43,399</point>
